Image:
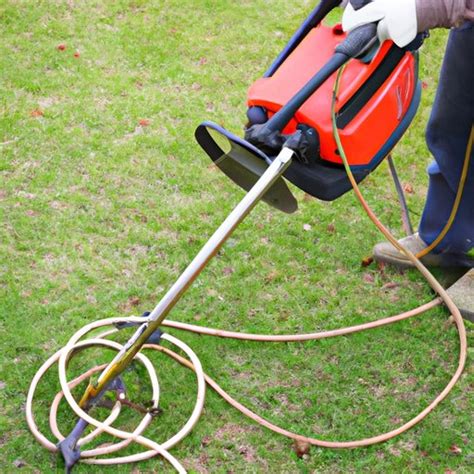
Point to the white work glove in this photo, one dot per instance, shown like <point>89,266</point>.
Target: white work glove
<point>396,19</point>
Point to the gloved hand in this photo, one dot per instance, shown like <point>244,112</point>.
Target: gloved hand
<point>396,19</point>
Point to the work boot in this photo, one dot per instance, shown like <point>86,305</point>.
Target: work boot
<point>385,252</point>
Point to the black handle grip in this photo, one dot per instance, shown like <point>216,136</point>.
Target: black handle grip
<point>358,4</point>
<point>358,41</point>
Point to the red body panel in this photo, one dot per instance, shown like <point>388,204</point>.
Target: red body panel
<point>365,135</point>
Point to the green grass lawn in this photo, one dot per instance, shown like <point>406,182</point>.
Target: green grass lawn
<point>105,197</point>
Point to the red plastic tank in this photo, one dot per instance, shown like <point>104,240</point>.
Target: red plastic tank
<point>373,100</point>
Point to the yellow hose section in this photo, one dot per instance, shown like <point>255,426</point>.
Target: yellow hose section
<point>434,283</point>
<point>457,201</point>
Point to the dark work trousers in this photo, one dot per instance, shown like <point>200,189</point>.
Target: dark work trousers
<point>449,137</point>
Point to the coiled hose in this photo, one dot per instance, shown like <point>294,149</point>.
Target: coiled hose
<point>152,448</point>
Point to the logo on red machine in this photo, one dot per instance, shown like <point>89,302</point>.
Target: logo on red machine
<point>403,95</point>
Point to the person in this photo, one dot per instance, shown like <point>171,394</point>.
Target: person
<point>450,130</point>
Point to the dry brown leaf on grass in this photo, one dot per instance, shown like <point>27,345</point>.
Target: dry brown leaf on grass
<point>132,302</point>
<point>271,276</point>
<point>367,261</point>
<point>301,448</point>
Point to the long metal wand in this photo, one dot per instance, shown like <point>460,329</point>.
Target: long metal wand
<point>156,317</point>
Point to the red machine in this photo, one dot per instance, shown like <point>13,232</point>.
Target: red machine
<point>291,107</point>
<point>375,97</point>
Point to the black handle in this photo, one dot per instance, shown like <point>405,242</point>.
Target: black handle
<point>358,41</point>
<point>321,11</point>
<point>358,4</point>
